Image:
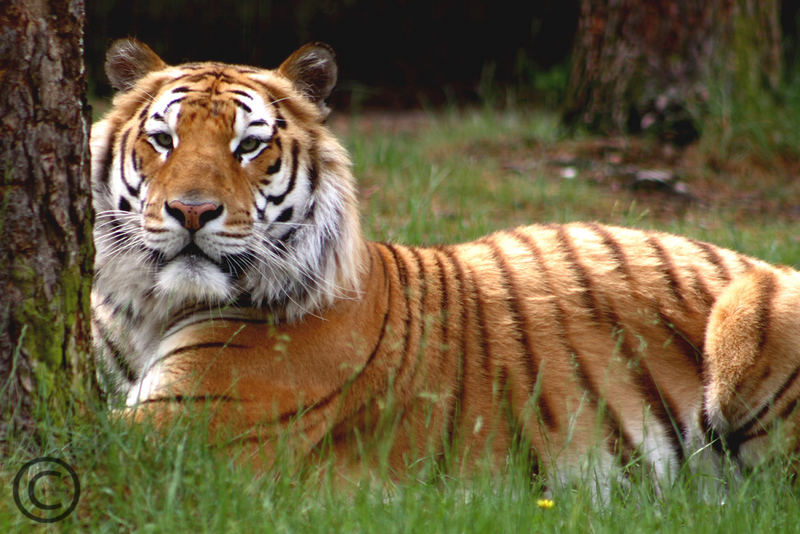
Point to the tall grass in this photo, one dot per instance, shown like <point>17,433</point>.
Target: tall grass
<point>448,178</point>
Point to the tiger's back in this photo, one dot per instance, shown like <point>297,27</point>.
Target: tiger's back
<point>231,271</point>
<point>578,337</point>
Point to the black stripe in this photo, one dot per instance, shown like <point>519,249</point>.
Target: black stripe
<point>185,314</point>
<point>621,442</point>
<point>589,301</point>
<point>279,119</point>
<point>120,309</point>
<point>236,320</point>
<point>175,101</point>
<point>486,359</point>
<point>422,277</point>
<point>521,329</point>
<point>711,256</point>
<point>265,89</point>
<point>240,93</point>
<point>116,354</point>
<point>285,215</point>
<point>134,192</point>
<point>313,172</point>
<point>735,439</point>
<point>224,78</point>
<point>765,310</point>
<point>536,254</point>
<point>118,232</point>
<point>667,270</point>
<point>402,274</point>
<point>764,313</point>
<point>107,158</point>
<point>277,200</point>
<point>199,346</point>
<point>520,441</point>
<point>313,156</point>
<point>692,349</point>
<point>193,398</point>
<point>284,241</point>
<point>444,348</point>
<point>275,167</point>
<point>324,401</point>
<point>143,115</point>
<point>456,406</point>
<point>309,214</point>
<point>227,79</point>
<point>701,289</point>
<point>663,406</point>
<point>444,305</point>
<point>243,106</point>
<point>614,248</point>
<point>134,160</point>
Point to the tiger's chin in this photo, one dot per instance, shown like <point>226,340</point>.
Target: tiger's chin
<point>196,280</point>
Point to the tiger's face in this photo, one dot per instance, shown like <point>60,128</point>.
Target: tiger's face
<point>209,160</point>
<point>218,183</point>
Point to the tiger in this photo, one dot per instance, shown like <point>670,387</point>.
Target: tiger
<point>231,271</point>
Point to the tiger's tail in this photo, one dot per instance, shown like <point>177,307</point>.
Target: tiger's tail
<point>752,364</point>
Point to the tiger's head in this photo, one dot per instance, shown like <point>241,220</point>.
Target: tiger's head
<point>216,184</point>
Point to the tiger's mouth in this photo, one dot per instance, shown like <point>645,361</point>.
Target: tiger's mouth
<point>194,275</point>
<point>192,257</point>
<point>193,253</point>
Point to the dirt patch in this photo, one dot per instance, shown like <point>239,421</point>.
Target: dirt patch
<point>681,177</point>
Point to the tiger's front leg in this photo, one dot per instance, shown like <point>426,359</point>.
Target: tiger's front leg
<point>263,385</point>
<point>259,431</point>
<point>752,365</point>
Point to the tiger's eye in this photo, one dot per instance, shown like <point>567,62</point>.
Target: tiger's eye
<point>163,139</point>
<point>248,144</point>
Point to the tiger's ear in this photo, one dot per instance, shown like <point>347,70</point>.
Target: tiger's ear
<point>312,69</point>
<point>128,60</point>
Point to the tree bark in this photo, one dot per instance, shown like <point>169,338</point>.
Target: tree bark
<point>641,64</point>
<point>46,249</point>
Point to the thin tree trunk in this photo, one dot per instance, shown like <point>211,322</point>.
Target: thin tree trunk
<point>45,211</point>
<point>639,64</point>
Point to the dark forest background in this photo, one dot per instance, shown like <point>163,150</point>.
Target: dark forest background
<point>390,53</point>
<point>395,54</point>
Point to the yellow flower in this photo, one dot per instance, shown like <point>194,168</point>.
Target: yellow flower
<point>545,503</point>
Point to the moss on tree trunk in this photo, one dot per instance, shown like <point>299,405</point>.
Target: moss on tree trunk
<point>46,250</point>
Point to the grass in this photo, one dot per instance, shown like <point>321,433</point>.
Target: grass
<point>428,179</point>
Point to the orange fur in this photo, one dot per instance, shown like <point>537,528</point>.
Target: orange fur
<point>573,338</point>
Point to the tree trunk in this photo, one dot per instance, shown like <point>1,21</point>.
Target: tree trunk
<point>640,64</point>
<point>46,249</point>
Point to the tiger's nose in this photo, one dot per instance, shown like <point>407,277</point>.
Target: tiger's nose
<point>193,216</point>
